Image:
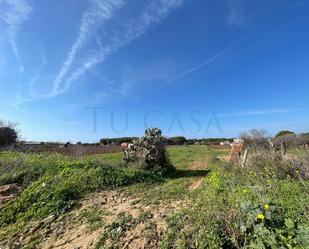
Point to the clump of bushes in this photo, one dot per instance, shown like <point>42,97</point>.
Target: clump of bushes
<point>8,133</point>
<point>269,156</point>
<point>148,152</point>
<point>277,167</point>
<point>256,139</point>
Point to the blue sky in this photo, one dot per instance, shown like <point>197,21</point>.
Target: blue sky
<point>82,70</point>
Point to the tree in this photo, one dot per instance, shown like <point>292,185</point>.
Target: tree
<point>256,139</point>
<point>117,141</point>
<point>176,140</point>
<point>286,138</point>
<point>303,139</point>
<point>284,133</point>
<point>8,133</point>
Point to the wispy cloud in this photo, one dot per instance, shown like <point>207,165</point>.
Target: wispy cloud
<point>18,12</point>
<point>99,12</point>
<point>19,98</point>
<point>256,112</point>
<point>36,77</point>
<point>128,32</point>
<point>156,71</point>
<point>235,16</point>
<point>201,65</point>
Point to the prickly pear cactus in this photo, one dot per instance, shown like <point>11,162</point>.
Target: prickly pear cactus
<point>148,151</point>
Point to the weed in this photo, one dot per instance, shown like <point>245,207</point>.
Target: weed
<point>93,219</point>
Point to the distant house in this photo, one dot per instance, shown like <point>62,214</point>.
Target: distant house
<point>32,143</point>
<point>225,143</point>
<point>124,145</point>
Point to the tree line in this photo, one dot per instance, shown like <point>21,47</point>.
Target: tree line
<point>9,136</point>
<point>177,140</point>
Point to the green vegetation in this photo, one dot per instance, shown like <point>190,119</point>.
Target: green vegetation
<point>8,133</point>
<point>239,208</point>
<point>178,140</point>
<point>117,141</point>
<point>285,133</point>
<point>58,186</point>
<point>264,205</point>
<point>115,230</point>
<point>93,218</point>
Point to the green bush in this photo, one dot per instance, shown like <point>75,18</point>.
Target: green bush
<point>57,187</point>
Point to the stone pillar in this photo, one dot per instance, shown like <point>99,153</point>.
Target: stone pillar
<point>236,150</point>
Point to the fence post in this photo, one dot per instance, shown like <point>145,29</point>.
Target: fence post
<point>245,158</point>
<point>283,149</point>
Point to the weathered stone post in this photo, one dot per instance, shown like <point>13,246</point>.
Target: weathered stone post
<point>236,150</point>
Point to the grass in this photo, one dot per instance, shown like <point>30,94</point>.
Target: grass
<point>239,208</point>
<point>59,186</point>
<point>258,207</point>
<point>114,159</point>
<point>93,218</point>
<point>116,230</point>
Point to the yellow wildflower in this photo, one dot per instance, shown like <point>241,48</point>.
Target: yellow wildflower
<point>245,191</point>
<point>261,217</point>
<point>266,206</point>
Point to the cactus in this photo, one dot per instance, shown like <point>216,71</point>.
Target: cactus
<point>148,151</point>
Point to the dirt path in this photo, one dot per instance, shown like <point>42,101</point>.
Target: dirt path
<point>111,218</point>
<point>144,230</point>
<point>197,165</point>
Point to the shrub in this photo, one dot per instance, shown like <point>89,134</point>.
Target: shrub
<point>8,133</point>
<point>303,139</point>
<point>148,152</point>
<point>277,167</point>
<point>289,141</point>
<point>256,139</point>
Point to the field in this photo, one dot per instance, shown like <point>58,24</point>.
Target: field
<point>72,150</point>
<point>97,202</point>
